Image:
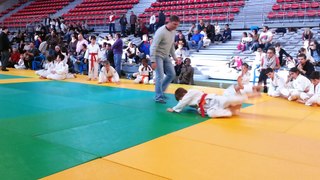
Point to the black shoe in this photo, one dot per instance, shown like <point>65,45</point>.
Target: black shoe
<point>161,101</point>
<point>5,69</point>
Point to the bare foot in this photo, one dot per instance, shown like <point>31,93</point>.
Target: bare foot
<point>301,101</point>
<point>89,79</point>
<point>99,82</point>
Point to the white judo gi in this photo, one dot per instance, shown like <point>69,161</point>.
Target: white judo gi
<point>143,74</point>
<point>276,84</point>
<point>108,76</point>
<point>312,96</point>
<point>92,55</point>
<point>20,64</point>
<point>61,71</point>
<point>214,106</point>
<point>48,67</point>
<point>293,89</point>
<point>247,87</point>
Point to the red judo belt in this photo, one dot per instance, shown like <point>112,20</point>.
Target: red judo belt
<point>93,59</point>
<point>201,104</point>
<point>110,79</point>
<point>144,76</point>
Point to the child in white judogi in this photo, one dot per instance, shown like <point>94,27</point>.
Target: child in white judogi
<point>295,85</point>
<point>48,67</point>
<point>108,74</point>
<point>60,70</point>
<point>92,57</point>
<point>312,97</point>
<point>244,87</point>
<point>211,104</point>
<point>20,64</point>
<point>144,72</point>
<point>276,84</point>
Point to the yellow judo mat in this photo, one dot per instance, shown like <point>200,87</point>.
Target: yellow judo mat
<point>272,139</point>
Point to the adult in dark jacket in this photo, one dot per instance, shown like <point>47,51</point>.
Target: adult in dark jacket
<point>280,52</point>
<point>4,48</point>
<point>117,48</point>
<point>123,23</point>
<point>162,19</point>
<point>315,53</point>
<point>305,66</point>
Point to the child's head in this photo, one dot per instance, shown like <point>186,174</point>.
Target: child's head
<point>106,64</point>
<point>315,77</point>
<point>84,46</point>
<point>144,62</point>
<point>294,72</point>
<point>93,39</point>
<point>60,57</point>
<point>270,73</point>
<point>244,67</point>
<point>21,56</point>
<point>179,93</point>
<point>179,61</point>
<point>50,58</point>
<point>187,61</point>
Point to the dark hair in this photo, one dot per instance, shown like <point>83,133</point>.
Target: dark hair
<point>118,35</point>
<point>277,44</point>
<point>302,50</point>
<point>303,56</point>
<point>245,65</point>
<point>267,27</point>
<point>108,44</point>
<point>93,38</point>
<point>50,58</point>
<point>269,70</point>
<point>174,18</point>
<point>315,75</point>
<point>227,25</point>
<point>272,49</point>
<point>84,45</point>
<point>61,56</point>
<point>179,93</point>
<point>295,70</point>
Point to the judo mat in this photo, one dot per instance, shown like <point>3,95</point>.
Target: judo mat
<point>76,129</point>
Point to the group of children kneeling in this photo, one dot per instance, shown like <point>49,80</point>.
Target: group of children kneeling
<point>296,88</point>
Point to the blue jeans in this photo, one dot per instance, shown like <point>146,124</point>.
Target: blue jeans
<point>197,45</point>
<point>112,28</point>
<point>117,63</point>
<point>164,65</point>
<point>123,30</point>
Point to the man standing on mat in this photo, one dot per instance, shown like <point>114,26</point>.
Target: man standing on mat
<point>4,48</point>
<point>162,46</point>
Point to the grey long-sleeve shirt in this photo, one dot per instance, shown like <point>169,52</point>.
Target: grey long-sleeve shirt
<point>163,44</point>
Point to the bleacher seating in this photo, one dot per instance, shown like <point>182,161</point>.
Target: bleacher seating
<point>35,12</point>
<point>191,10</point>
<point>295,10</point>
<point>13,7</point>
<point>96,12</point>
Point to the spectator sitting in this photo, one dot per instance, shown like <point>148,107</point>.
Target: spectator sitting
<point>206,40</point>
<point>235,63</point>
<point>78,59</point>
<point>14,58</point>
<point>191,30</point>
<point>132,53</point>
<point>177,68</point>
<point>242,45</point>
<point>29,55</point>
<point>144,47</point>
<point>265,39</point>
<point>186,73</point>
<point>306,37</point>
<point>180,37</point>
<point>305,66</point>
<point>144,73</point>
<point>280,52</point>
<point>307,53</point>
<point>20,64</point>
<point>210,31</point>
<point>315,53</point>
<point>181,52</point>
<point>201,25</point>
<point>218,36</point>
<point>196,40</point>
<point>255,40</point>
<point>226,33</point>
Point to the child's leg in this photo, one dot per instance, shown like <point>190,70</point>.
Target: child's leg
<point>212,112</point>
<point>145,80</point>
<point>95,70</point>
<point>102,77</point>
<point>90,71</point>
<point>138,79</point>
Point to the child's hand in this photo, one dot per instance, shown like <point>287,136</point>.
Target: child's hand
<point>170,110</point>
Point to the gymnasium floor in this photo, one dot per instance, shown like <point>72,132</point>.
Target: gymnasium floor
<point>76,129</point>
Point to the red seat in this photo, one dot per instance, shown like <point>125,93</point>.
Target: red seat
<point>276,7</point>
<point>271,15</point>
<point>304,5</point>
<point>314,5</point>
<point>291,14</point>
<point>295,6</point>
<point>300,13</point>
<point>286,6</point>
<point>311,13</point>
